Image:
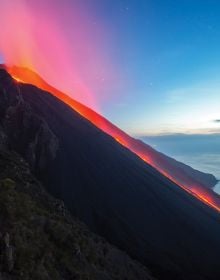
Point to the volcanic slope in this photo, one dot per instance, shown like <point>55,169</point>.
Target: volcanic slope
<point>180,173</point>
<point>108,187</point>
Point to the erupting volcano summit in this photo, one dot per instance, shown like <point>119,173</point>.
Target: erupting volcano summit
<point>192,181</point>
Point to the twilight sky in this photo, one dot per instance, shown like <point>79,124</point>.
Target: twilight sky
<point>149,66</point>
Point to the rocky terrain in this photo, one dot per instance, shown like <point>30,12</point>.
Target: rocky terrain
<point>40,240</point>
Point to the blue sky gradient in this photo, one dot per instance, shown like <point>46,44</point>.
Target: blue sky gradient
<point>168,54</point>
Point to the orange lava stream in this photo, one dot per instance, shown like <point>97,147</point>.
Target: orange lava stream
<point>26,76</point>
<point>203,195</point>
<point>18,80</point>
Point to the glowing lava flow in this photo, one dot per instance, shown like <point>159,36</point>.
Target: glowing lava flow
<point>145,152</point>
<point>18,80</point>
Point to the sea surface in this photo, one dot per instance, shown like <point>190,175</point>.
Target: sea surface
<point>202,152</point>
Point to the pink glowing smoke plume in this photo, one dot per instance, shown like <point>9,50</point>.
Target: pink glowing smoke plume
<point>67,46</point>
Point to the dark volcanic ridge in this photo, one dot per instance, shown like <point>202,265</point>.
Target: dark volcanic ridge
<point>108,187</point>
<point>178,172</point>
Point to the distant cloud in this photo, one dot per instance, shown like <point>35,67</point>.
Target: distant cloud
<point>192,132</point>
<point>216,121</point>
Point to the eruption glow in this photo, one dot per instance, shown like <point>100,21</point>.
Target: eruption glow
<point>145,152</point>
<point>46,37</point>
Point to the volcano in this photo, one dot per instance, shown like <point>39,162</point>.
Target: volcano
<point>170,228</point>
<point>180,173</point>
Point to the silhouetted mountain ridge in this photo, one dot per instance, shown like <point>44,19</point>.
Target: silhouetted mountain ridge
<point>108,187</point>
<point>180,173</point>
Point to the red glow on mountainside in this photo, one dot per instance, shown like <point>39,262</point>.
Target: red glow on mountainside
<point>146,153</point>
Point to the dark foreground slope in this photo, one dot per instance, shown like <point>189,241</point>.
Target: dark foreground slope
<point>40,241</point>
<point>108,187</point>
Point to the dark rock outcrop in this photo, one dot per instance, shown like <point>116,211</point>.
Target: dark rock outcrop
<point>24,131</point>
<point>7,255</point>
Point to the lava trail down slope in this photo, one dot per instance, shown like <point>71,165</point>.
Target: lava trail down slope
<point>193,181</point>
